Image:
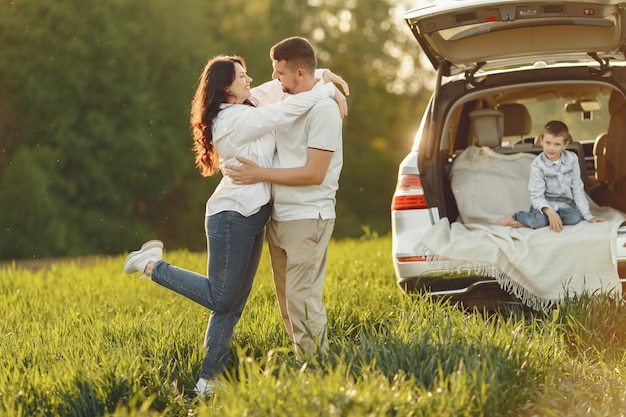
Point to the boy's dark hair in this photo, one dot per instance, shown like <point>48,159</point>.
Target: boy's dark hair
<point>557,128</point>
<point>297,53</point>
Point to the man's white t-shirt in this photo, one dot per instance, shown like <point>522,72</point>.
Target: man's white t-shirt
<point>319,128</point>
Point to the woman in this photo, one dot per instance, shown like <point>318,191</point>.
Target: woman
<point>226,125</point>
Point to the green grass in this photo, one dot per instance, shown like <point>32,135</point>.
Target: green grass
<point>86,340</point>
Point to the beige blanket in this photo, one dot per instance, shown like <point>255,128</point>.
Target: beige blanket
<point>540,267</point>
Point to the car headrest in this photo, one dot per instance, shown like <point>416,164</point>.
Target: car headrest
<point>488,127</point>
<point>616,102</point>
<point>517,121</point>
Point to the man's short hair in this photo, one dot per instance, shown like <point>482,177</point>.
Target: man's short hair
<point>297,53</point>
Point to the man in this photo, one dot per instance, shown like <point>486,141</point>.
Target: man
<point>305,179</point>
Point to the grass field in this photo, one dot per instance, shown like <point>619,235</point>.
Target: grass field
<point>89,340</point>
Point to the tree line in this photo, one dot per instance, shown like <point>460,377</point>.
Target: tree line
<point>95,143</point>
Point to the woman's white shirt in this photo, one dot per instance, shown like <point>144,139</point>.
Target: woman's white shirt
<point>246,131</point>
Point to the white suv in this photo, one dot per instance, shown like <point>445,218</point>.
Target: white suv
<point>518,64</point>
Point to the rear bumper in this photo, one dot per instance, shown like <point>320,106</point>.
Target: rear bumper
<point>466,290</point>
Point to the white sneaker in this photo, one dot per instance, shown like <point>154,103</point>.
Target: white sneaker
<point>136,261</point>
<point>206,387</point>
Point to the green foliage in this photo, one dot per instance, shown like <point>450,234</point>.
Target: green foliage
<point>97,96</point>
<point>83,338</point>
<point>88,90</point>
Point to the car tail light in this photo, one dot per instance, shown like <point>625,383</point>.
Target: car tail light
<point>420,258</point>
<point>409,194</point>
<point>412,259</point>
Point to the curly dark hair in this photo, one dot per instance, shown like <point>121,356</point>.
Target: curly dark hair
<point>218,74</point>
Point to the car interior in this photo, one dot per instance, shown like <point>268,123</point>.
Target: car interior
<point>511,121</point>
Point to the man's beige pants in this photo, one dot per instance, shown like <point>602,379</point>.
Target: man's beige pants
<point>298,251</point>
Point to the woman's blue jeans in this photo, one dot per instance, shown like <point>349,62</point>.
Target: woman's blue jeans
<point>234,244</point>
<point>535,219</point>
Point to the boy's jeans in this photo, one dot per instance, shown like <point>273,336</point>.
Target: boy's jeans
<point>535,219</point>
<point>234,243</point>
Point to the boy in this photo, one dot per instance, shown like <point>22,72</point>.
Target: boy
<point>557,192</point>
